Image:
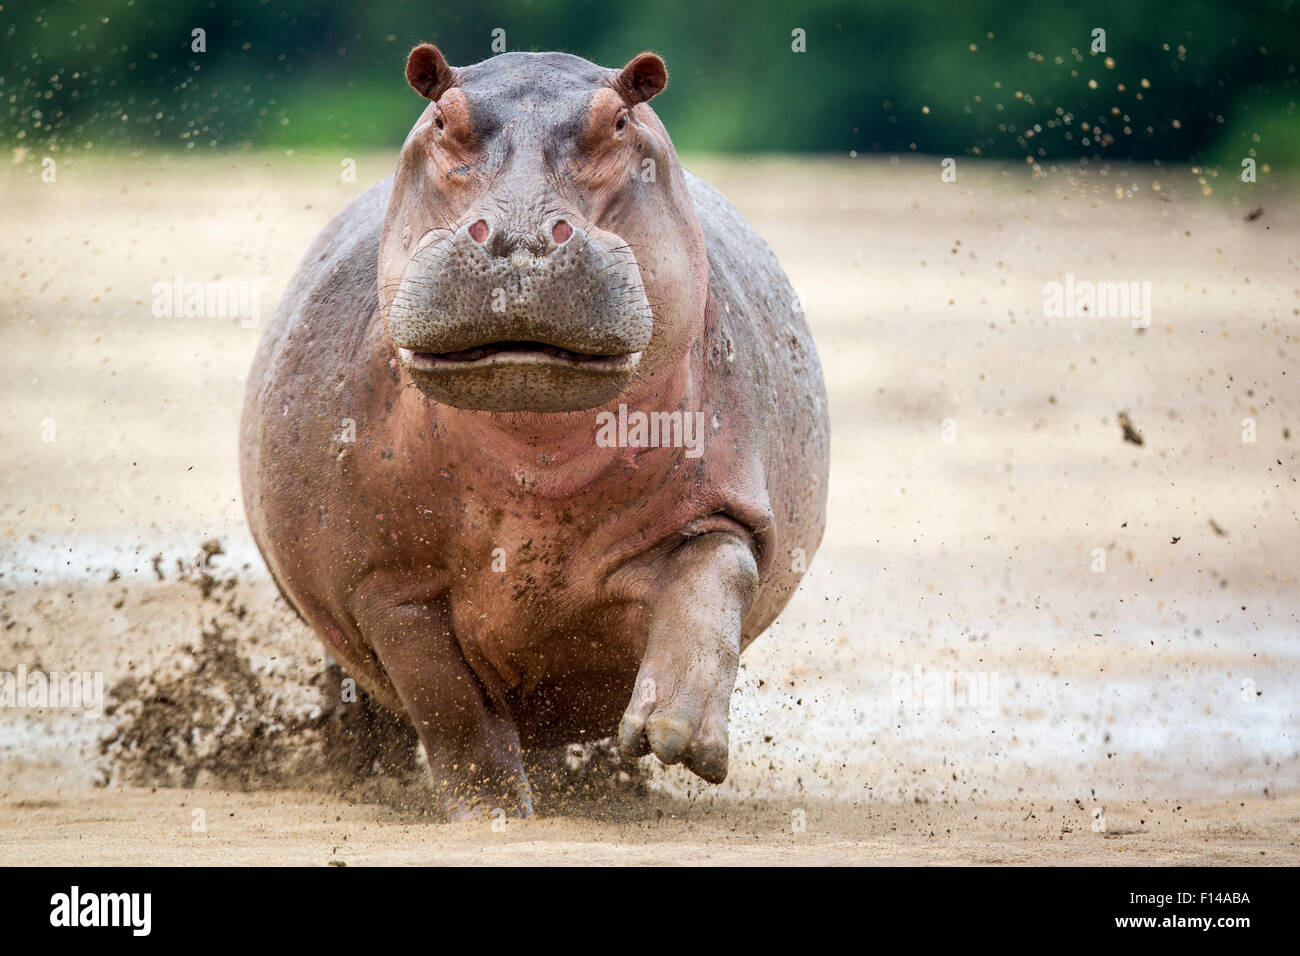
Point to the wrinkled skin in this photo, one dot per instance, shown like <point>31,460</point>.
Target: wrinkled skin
<point>475,557</point>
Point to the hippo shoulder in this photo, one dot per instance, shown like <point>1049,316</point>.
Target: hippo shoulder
<point>741,264</point>
<point>762,317</point>
<point>337,275</point>
<point>327,308</point>
<point>320,322</point>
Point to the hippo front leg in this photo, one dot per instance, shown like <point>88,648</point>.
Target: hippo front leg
<point>682,698</point>
<point>468,734</point>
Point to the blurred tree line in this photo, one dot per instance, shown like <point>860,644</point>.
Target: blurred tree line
<point>1198,80</point>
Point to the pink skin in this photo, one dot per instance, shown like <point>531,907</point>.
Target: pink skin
<point>499,576</point>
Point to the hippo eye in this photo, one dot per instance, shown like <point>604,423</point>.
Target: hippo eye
<point>621,121</point>
<point>437,121</point>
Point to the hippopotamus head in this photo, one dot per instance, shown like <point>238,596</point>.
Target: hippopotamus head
<point>540,250</point>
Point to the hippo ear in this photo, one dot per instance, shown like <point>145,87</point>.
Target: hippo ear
<point>428,73</point>
<point>641,79</point>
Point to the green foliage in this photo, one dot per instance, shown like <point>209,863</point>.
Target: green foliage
<point>1196,81</point>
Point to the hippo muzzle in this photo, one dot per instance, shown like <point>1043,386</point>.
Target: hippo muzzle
<point>549,319</point>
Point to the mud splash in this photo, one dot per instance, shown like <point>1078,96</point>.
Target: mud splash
<point>211,716</point>
<point>229,712</point>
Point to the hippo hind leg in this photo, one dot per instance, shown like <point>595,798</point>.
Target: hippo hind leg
<point>469,737</point>
<point>682,699</point>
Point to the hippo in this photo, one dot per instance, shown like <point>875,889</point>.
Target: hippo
<point>536,440</point>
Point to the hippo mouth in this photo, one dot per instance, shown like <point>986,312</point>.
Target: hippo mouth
<point>518,353</point>
<point>519,375</point>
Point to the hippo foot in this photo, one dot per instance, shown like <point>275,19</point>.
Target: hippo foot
<point>681,719</point>
<point>469,737</point>
<point>682,699</point>
<point>461,804</point>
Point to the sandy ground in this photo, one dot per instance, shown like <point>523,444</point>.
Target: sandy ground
<point>978,463</point>
<point>290,827</point>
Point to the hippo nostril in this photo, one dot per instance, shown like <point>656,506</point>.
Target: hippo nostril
<point>561,232</point>
<point>478,231</point>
